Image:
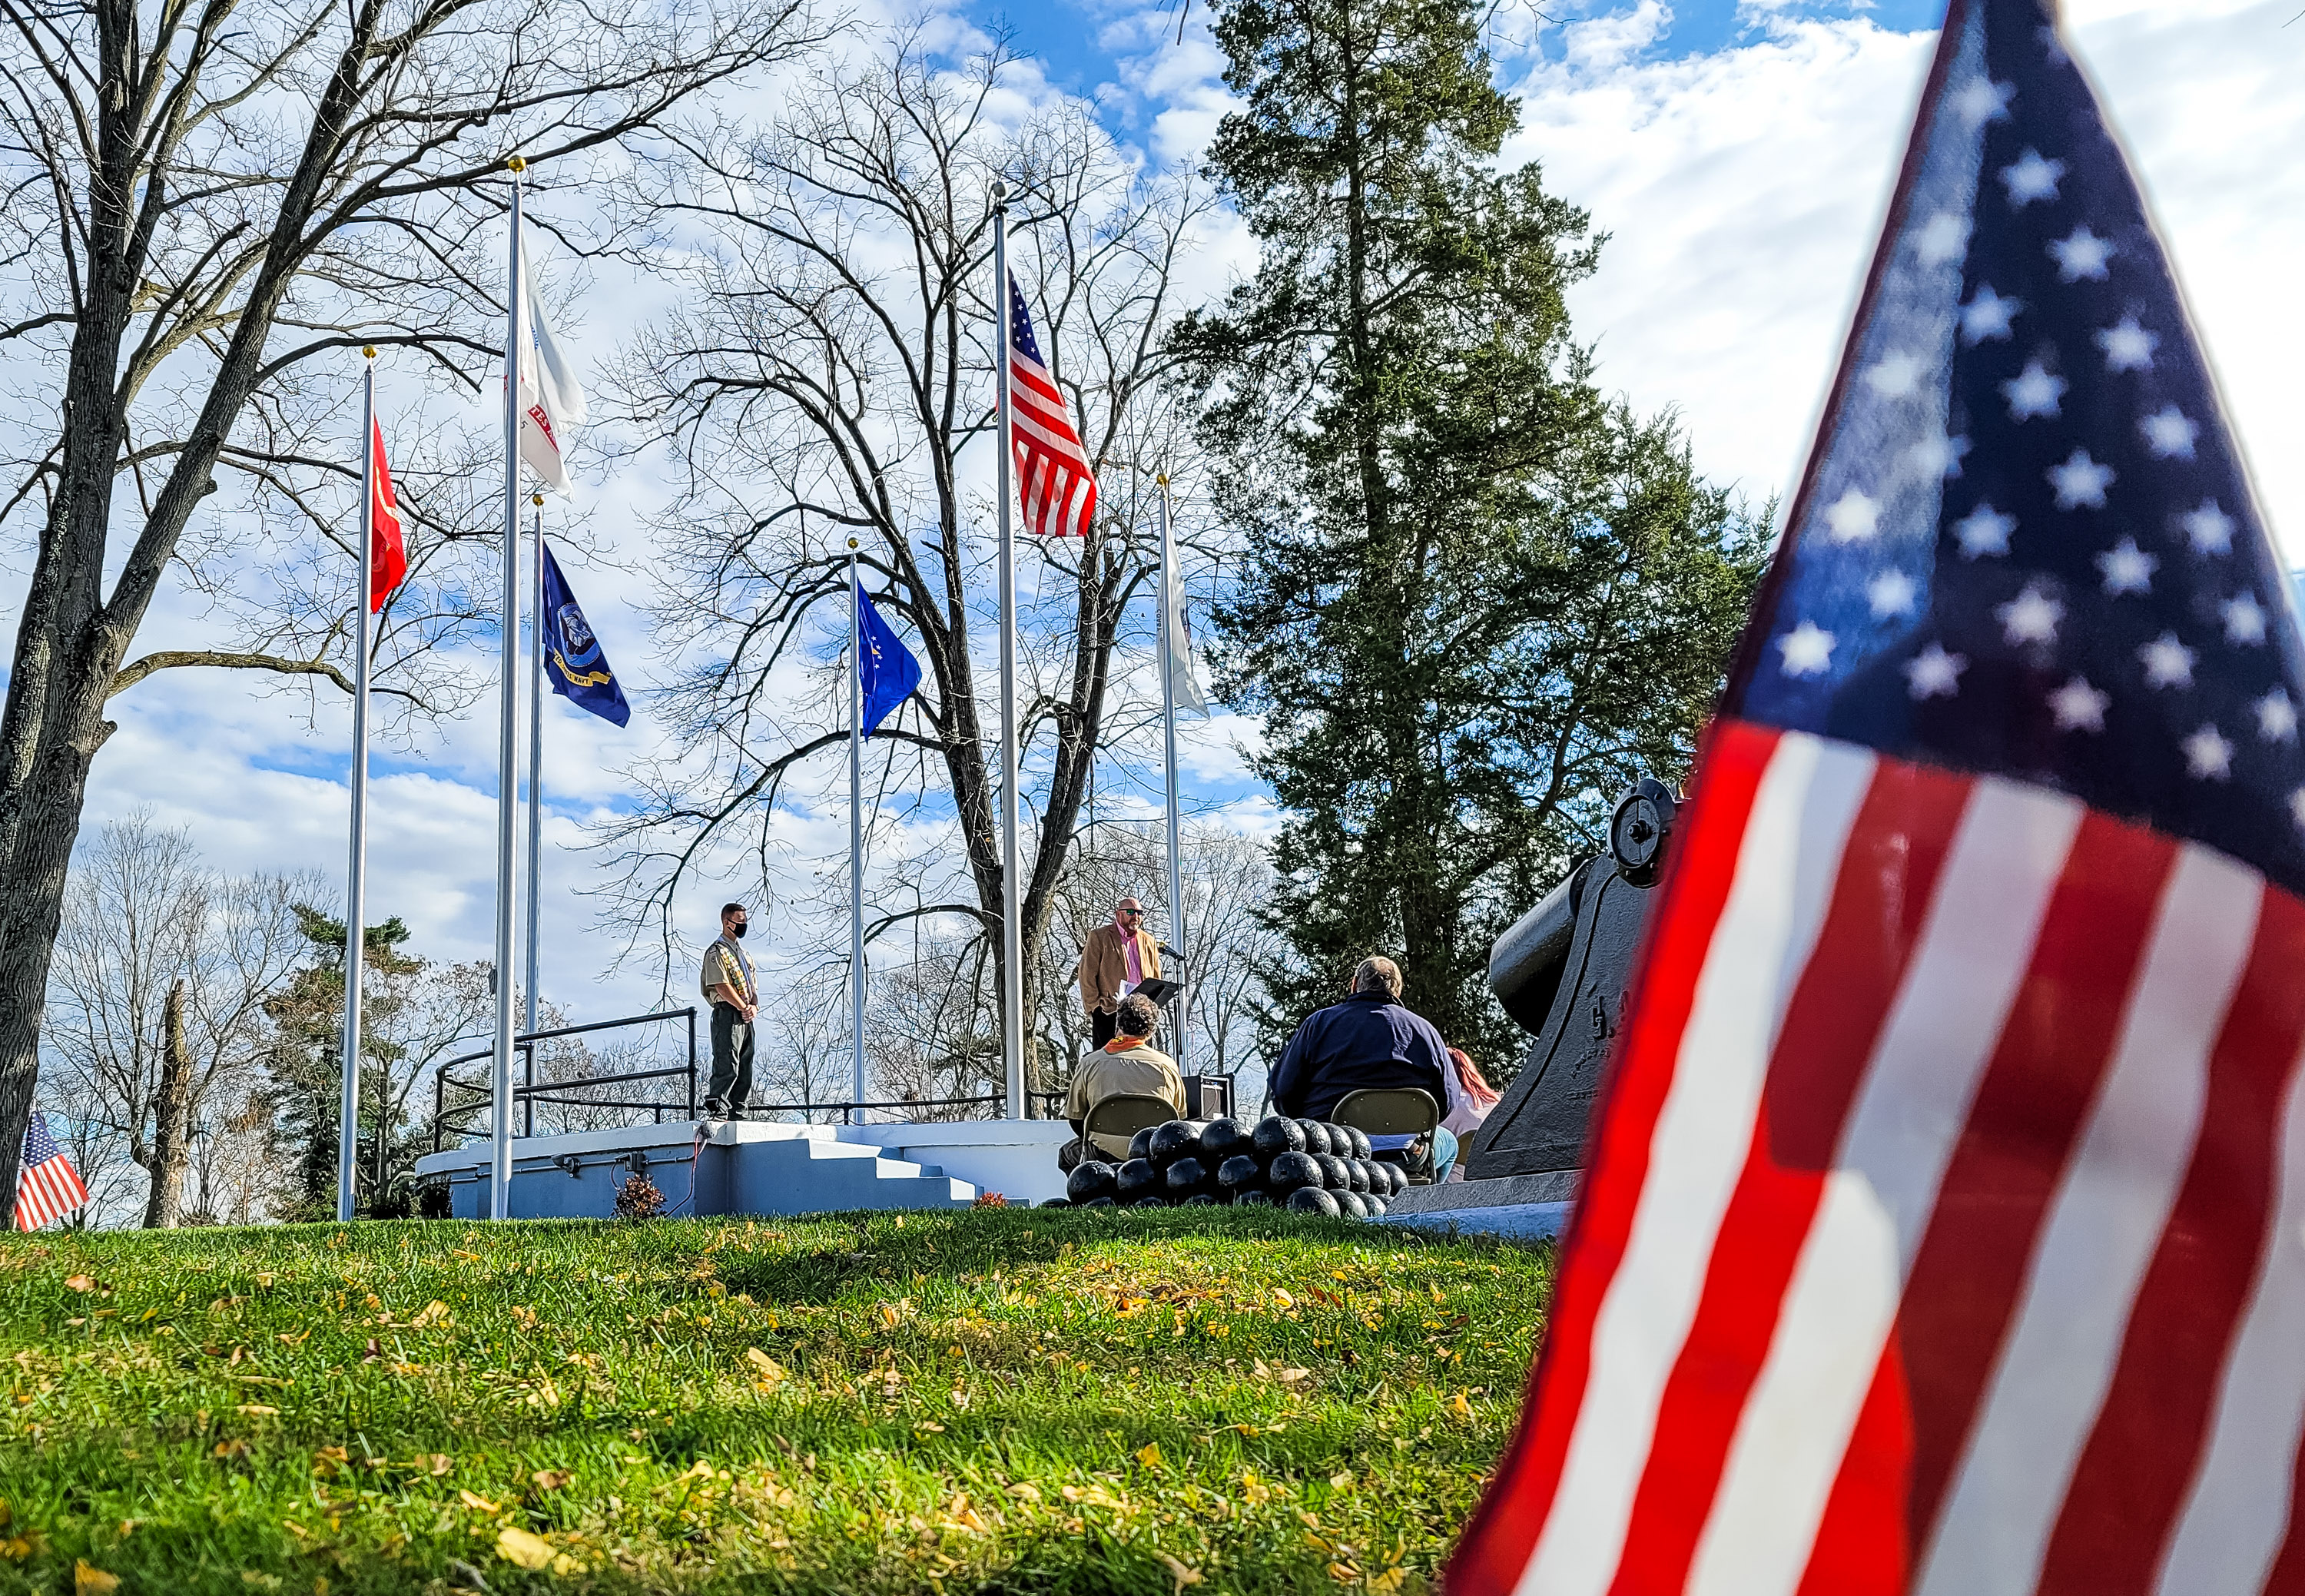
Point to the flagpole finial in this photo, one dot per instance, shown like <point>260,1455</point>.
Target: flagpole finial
<point>1000,195</point>
<point>537,500</point>
<point>368,351</point>
<point>1161,479</point>
<point>852,545</point>
<point>517,164</point>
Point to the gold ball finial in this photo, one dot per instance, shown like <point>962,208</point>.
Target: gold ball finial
<point>537,500</point>
<point>852,545</point>
<point>517,164</point>
<point>1162,479</point>
<point>369,350</point>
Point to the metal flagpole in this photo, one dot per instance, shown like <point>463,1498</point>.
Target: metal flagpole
<point>856,820</point>
<point>356,873</point>
<point>535,764</point>
<point>1012,928</point>
<point>507,739</point>
<point>1168,599</point>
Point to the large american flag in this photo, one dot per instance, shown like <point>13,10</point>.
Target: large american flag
<point>1944,1227</point>
<point>47,1186</point>
<point>1052,470</point>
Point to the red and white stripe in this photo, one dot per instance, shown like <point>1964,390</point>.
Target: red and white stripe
<point>46,1190</point>
<point>1053,478</point>
<point>1945,1228</point>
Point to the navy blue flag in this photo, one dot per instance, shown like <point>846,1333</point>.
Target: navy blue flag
<point>890,672</point>
<point>577,668</point>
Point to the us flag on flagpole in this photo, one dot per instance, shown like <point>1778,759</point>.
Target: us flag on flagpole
<point>47,1186</point>
<point>1053,478</point>
<point>1943,1230</point>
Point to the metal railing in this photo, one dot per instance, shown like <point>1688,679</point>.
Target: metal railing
<point>531,1091</point>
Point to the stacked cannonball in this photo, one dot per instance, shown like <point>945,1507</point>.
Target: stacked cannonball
<point>1310,1165</point>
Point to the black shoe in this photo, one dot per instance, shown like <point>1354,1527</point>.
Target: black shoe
<point>715,1109</point>
<point>736,1111</point>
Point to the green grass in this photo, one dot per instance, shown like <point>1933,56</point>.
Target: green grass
<point>1011,1401</point>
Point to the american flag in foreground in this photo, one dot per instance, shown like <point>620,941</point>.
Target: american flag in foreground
<point>47,1186</point>
<point>1052,470</point>
<point>1944,1227</point>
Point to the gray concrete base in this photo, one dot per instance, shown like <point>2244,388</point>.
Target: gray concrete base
<point>1527,1208</point>
<point>1558,1185</point>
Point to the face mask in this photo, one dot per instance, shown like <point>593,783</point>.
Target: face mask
<point>739,927</point>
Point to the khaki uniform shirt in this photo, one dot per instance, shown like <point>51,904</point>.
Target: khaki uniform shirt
<point>724,965</point>
<point>1140,1071</point>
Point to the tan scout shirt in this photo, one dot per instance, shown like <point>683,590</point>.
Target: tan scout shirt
<point>1139,1071</point>
<point>724,965</point>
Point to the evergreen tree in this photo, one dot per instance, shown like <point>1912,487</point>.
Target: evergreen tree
<point>308,1017</point>
<point>1480,597</point>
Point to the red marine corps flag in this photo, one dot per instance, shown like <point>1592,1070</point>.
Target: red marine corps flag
<point>1943,1227</point>
<point>388,550</point>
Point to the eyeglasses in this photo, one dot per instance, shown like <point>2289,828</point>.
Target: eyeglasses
<point>1134,914</point>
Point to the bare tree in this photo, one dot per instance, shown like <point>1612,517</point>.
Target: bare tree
<point>204,202</point>
<point>1228,878</point>
<point>158,956</point>
<point>826,380</point>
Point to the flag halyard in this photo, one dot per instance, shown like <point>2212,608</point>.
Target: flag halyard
<point>1927,1237</point>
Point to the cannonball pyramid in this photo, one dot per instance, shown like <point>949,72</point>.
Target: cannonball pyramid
<point>1310,1165</point>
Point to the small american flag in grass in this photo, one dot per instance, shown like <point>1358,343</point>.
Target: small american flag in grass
<point>47,1187</point>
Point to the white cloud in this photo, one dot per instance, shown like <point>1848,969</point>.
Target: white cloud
<point>1744,190</point>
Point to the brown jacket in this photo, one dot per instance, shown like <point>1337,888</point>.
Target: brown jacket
<point>1141,1070</point>
<point>1104,965</point>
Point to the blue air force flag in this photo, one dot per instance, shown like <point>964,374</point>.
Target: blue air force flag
<point>890,671</point>
<point>579,671</point>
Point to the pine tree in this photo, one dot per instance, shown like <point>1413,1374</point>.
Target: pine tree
<point>1480,597</point>
<point>308,1017</point>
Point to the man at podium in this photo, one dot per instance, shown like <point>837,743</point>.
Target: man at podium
<point>1120,957</point>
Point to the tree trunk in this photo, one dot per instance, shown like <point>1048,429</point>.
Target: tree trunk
<point>172,1111</point>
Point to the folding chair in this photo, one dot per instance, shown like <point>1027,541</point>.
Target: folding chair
<point>1399,1120</point>
<point>1121,1117</point>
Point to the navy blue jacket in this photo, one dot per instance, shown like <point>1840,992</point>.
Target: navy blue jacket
<point>1367,1040</point>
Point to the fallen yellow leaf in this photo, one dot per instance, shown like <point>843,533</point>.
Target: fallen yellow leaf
<point>516,1545</point>
<point>1024,1492</point>
<point>1149,1455</point>
<point>1283,1298</point>
<point>550,1479</point>
<point>91,1581</point>
<point>477,1504</point>
<point>83,1283</point>
<point>1458,1408</point>
<point>255,1407</point>
<point>1387,1580</point>
<point>767,1370</point>
<point>1178,1571</point>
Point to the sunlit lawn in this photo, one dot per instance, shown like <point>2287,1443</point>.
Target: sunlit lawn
<point>1006,1400</point>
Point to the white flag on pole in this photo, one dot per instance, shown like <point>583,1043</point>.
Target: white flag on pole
<point>1181,680</point>
<point>551,399</point>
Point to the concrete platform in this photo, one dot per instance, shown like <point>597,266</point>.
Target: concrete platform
<point>757,1167</point>
<point>1527,1207</point>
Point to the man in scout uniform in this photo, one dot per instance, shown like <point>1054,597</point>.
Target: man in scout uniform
<point>735,999</point>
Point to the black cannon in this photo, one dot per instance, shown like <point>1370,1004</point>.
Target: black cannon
<point>1560,972</point>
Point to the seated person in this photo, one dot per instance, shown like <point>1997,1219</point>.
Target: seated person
<point>1127,1066</point>
<point>1470,1098</point>
<point>1368,1041</point>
